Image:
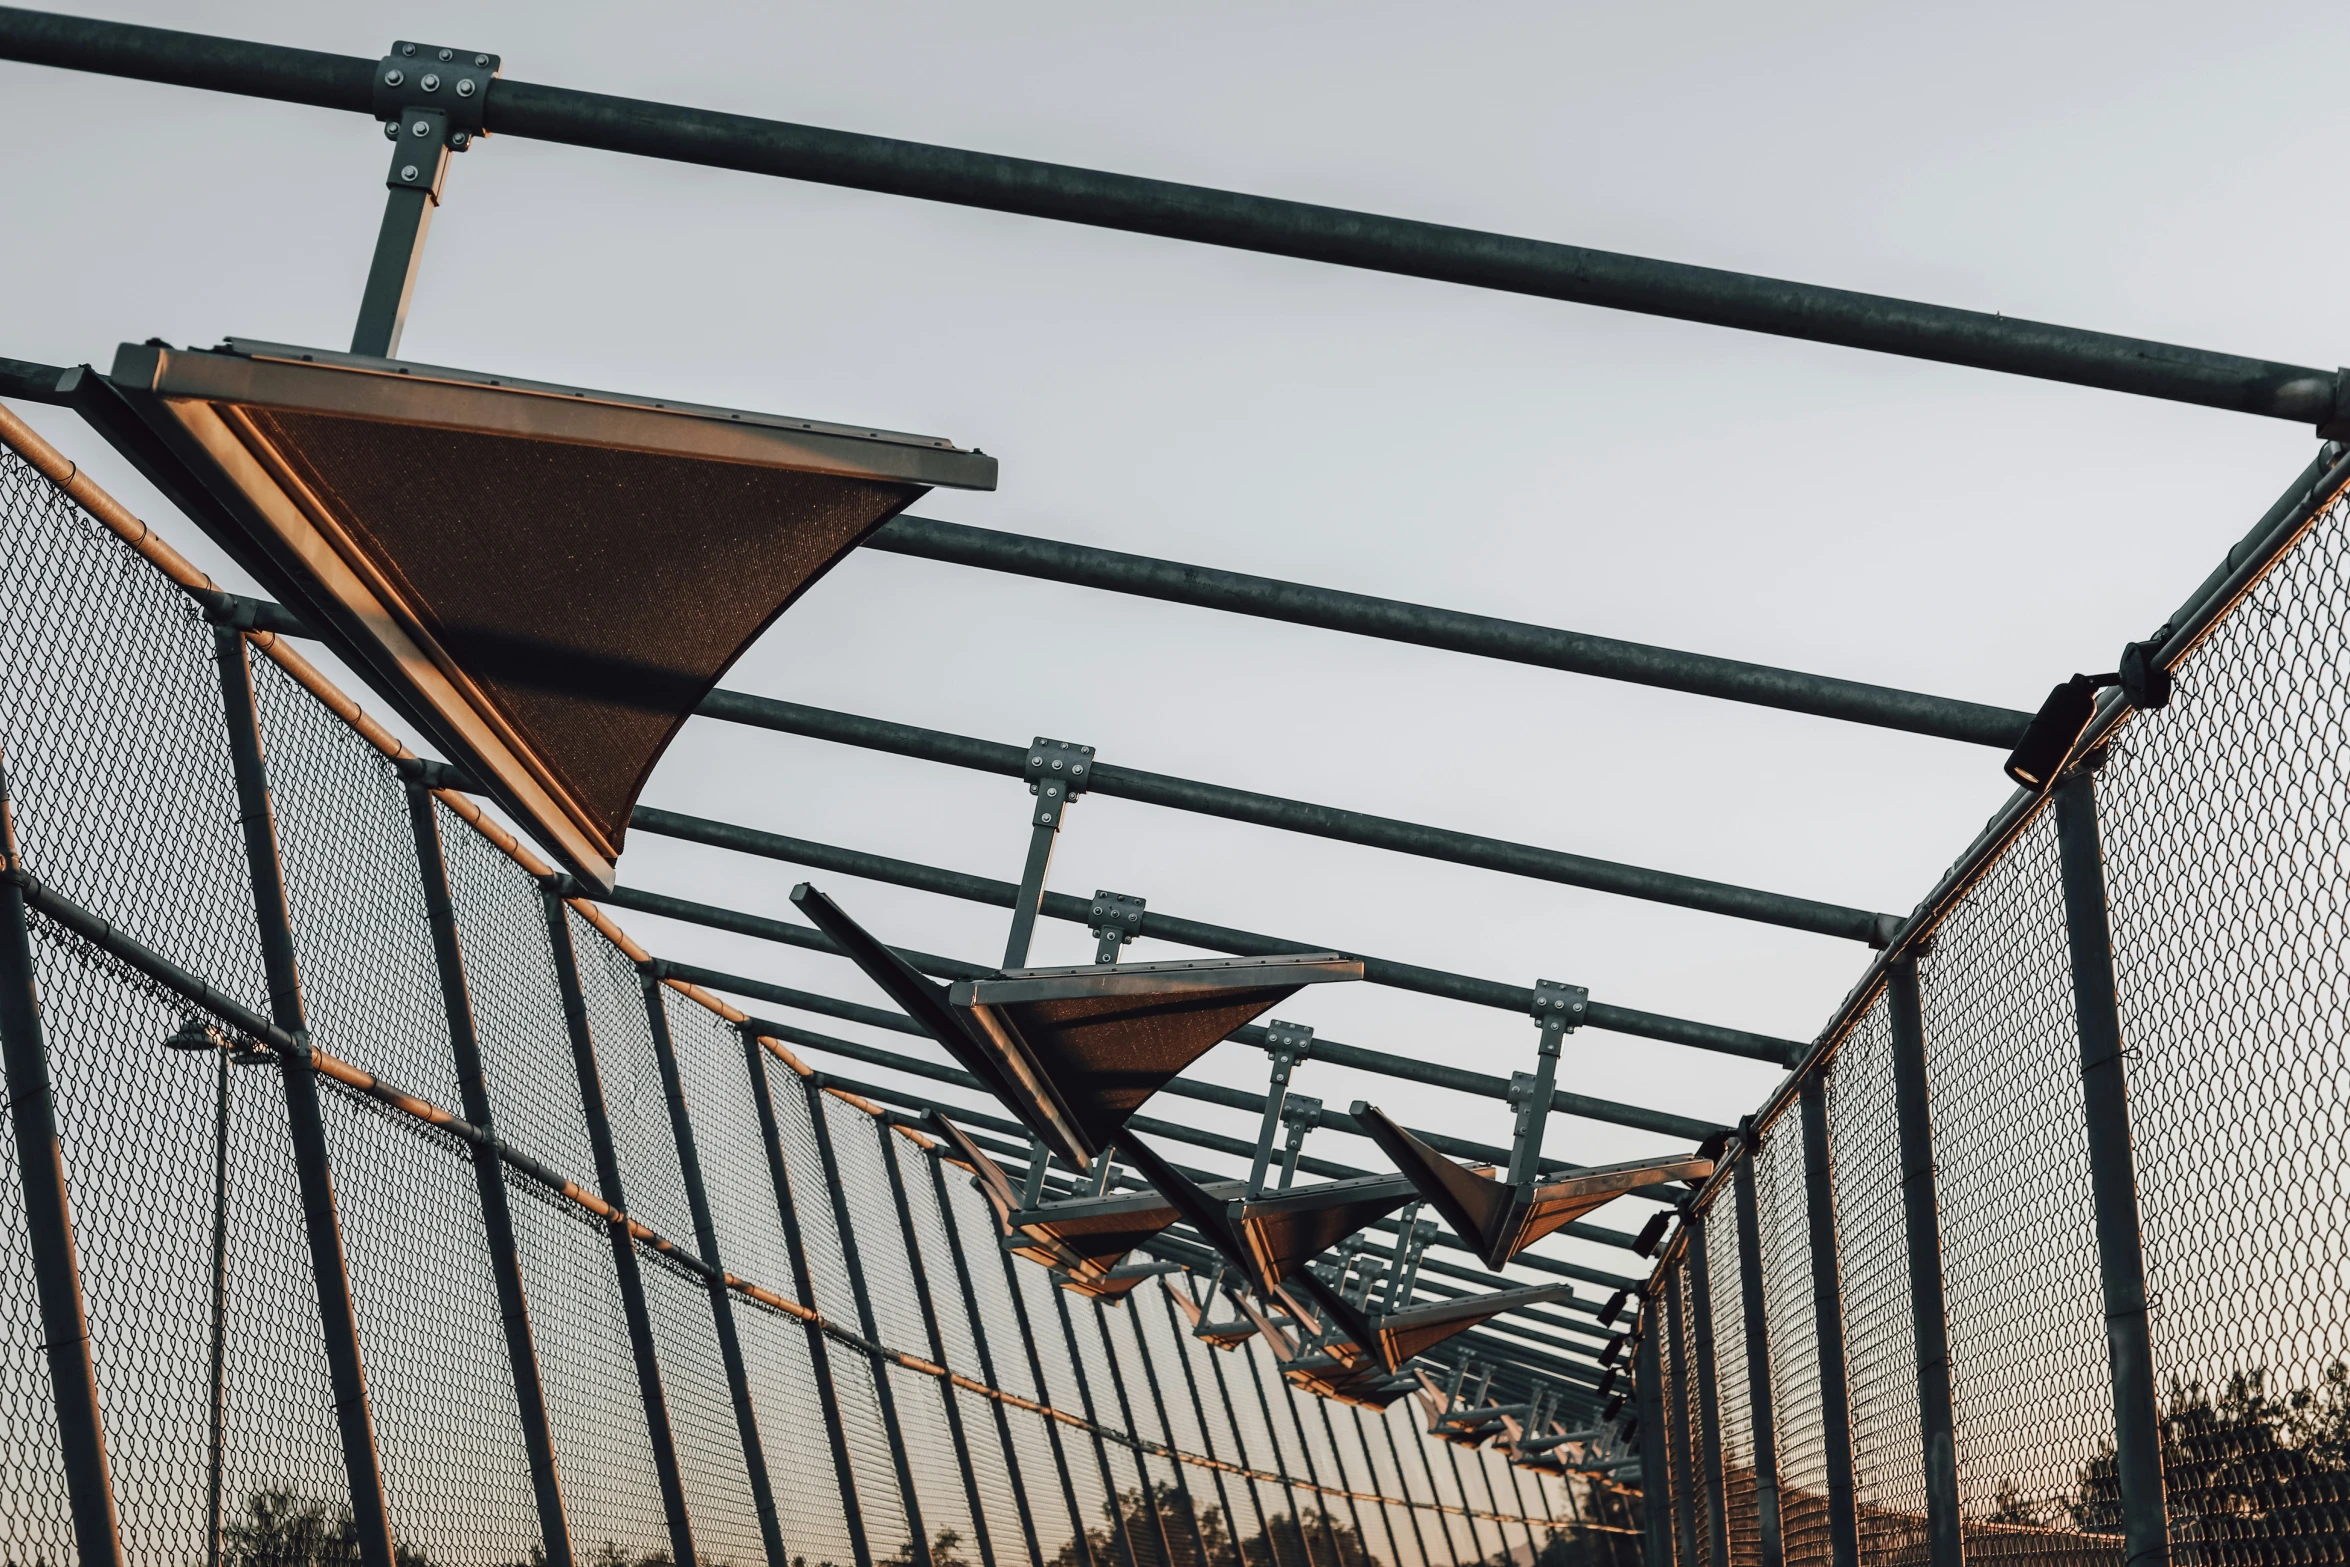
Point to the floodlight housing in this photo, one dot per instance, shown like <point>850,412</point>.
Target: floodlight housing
<point>544,580</point>
<point>2054,730</point>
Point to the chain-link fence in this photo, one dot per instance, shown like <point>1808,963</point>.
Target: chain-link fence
<point>2081,1294</point>
<point>487,1245</point>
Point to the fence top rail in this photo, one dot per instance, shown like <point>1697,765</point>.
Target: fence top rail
<point>1267,225</point>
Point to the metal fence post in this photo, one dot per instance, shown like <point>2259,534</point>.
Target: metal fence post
<point>1656,1486</point>
<point>1827,1299</point>
<point>2113,1179</point>
<point>804,1285</point>
<point>40,1162</point>
<point>1676,1390</point>
<point>1044,1394</point>
<point>1313,1472</point>
<point>1428,1473</point>
<point>1921,1220</point>
<point>919,1546</point>
<point>1150,1373</point>
<point>305,1117</point>
<point>624,1259</point>
<point>730,1344</point>
<point>1003,1419</point>
<point>1101,1450</point>
<point>489,1180</point>
<point>1771,1548</point>
<point>1411,1508</point>
<point>1199,1411</point>
<point>1150,1495</point>
<point>1709,1411</point>
<point>1346,1484</point>
<point>937,1338</point>
<point>1280,1463</point>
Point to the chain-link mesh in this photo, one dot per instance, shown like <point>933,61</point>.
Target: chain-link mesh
<point>1783,1222</point>
<point>1733,1391</point>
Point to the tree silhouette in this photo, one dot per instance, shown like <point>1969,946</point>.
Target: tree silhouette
<point>281,1529</point>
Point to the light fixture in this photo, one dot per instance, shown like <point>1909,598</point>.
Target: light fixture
<point>2054,730</point>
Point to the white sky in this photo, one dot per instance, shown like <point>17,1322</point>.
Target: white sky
<point>2161,171</point>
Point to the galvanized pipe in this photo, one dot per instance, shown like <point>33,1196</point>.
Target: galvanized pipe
<point>1921,1222</point>
<point>1317,821</point>
<point>804,1281</point>
<point>730,1345</point>
<point>866,1320</point>
<point>489,1182</point>
<point>1771,1550</point>
<point>634,1308</point>
<point>1482,636</point>
<point>40,1163</point>
<point>2113,1181</point>
<point>1334,236</point>
<point>1827,1299</point>
<point>305,1117</point>
<point>1515,999</point>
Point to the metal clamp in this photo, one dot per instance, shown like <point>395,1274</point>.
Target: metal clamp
<point>1057,774</point>
<point>1301,1113</point>
<point>1115,919</point>
<point>1289,1043</point>
<point>1560,1009</point>
<point>431,101</point>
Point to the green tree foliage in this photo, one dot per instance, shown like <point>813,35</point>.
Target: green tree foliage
<point>1143,1514</point>
<point>281,1529</point>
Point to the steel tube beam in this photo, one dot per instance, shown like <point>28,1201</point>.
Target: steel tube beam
<point>1267,225</point>
<point>1316,821</point>
<point>57,1279</point>
<point>630,1277</point>
<point>305,1116</point>
<point>2113,1180</point>
<point>1921,1222</point>
<point>1771,1550</point>
<point>1827,1298</point>
<point>1393,620</point>
<point>1517,999</point>
<point>489,1181</point>
<point>730,1345</point>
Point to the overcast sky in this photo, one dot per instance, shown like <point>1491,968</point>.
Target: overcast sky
<point>2162,171</point>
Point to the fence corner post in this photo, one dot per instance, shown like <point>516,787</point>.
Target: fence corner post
<point>1922,1225</point>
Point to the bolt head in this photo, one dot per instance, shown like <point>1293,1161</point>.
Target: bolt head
<point>408,171</point>
<point>394,78</point>
<point>391,131</point>
<point>420,128</point>
<point>1056,767</point>
<point>464,86</point>
<point>407,48</point>
<point>430,81</point>
<point>446,55</point>
<point>458,139</point>
<point>481,59</point>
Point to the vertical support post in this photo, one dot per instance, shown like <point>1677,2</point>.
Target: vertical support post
<point>1093,1421</point>
<point>1313,1471</point>
<point>305,1117</point>
<point>938,1344</point>
<point>1150,1495</point>
<point>730,1344</point>
<point>1199,1413</point>
<point>1827,1301</point>
<point>489,1181</point>
<point>40,1163</point>
<point>391,274</point>
<point>1676,1389</point>
<point>215,1458</point>
<point>625,1266</point>
<point>1346,1483</point>
<point>1656,1487</point>
<point>1003,1419</point>
<point>1709,1412</point>
<point>1272,1435</point>
<point>1150,1373</point>
<point>1256,1500</point>
<point>804,1284</point>
<point>1411,1511</point>
<point>2113,1181</point>
<point>866,1320</point>
<point>1290,1044</point>
<point>1420,1447</point>
<point>1921,1220</point>
<point>1052,1427</point>
<point>1057,774</point>
<point>1772,1549</point>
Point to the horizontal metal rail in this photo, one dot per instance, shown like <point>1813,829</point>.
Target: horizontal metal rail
<point>1483,636</point>
<point>1481,1084</point>
<point>1267,225</point>
<point>1162,927</point>
<point>1317,821</point>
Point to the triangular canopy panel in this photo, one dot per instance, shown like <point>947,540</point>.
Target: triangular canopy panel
<point>1286,1230</point>
<point>545,580</point>
<point>1404,1334</point>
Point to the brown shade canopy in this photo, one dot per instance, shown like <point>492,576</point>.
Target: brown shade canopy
<point>1098,1231</point>
<point>1499,1219</point>
<point>545,580</point>
<point>1404,1334</point>
<point>1286,1230</point>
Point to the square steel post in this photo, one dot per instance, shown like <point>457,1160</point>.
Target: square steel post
<point>1003,1418</point>
<point>866,1320</point>
<point>1827,1300</point>
<point>1682,1453</point>
<point>937,1338</point>
<point>1921,1221</point>
<point>489,1182</point>
<point>625,1266</point>
<point>40,1162</point>
<point>2113,1181</point>
<point>1313,1472</point>
<point>1771,1549</point>
<point>1428,1473</point>
<point>1199,1411</point>
<point>1656,1486</point>
<point>305,1116</point>
<point>1093,1421</point>
<point>1708,1451</point>
<point>1150,1495</point>
<point>1150,1373</point>
<point>730,1344</point>
<point>804,1286</point>
<point>1411,1509</point>
<point>1256,1375</point>
<point>1347,1484</point>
